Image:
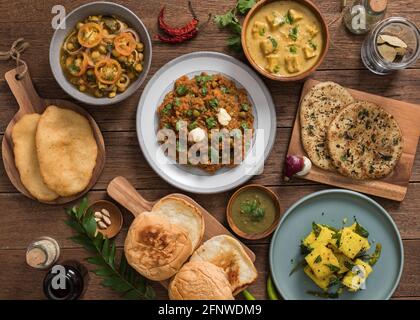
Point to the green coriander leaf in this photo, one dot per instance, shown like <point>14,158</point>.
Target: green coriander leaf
<point>234,43</point>
<point>211,123</point>
<point>229,21</point>
<point>244,6</point>
<point>288,18</point>
<point>273,41</point>
<point>293,49</point>
<point>318,259</point>
<point>181,90</point>
<point>293,33</point>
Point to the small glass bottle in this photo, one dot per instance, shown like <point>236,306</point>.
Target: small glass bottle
<point>42,253</point>
<point>66,282</point>
<point>360,16</point>
<point>399,27</point>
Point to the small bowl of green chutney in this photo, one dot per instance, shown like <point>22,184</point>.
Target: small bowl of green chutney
<point>253,212</point>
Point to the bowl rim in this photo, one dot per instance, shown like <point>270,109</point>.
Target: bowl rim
<point>314,8</point>
<point>83,97</point>
<point>316,194</point>
<point>270,229</point>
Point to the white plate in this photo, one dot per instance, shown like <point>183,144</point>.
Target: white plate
<point>193,179</point>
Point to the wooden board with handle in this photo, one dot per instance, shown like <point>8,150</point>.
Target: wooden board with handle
<point>395,185</point>
<point>121,190</point>
<point>30,102</point>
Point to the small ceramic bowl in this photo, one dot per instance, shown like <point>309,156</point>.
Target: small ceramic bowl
<point>253,236</point>
<point>81,13</point>
<point>115,217</point>
<point>300,76</point>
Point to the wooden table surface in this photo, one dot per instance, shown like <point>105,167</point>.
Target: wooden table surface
<point>22,219</point>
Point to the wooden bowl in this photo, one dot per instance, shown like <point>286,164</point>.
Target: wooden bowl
<point>300,76</point>
<point>253,236</point>
<point>30,102</point>
<point>115,217</point>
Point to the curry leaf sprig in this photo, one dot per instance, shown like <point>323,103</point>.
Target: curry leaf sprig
<point>122,279</point>
<point>230,21</point>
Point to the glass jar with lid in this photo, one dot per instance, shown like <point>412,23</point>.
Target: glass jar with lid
<point>394,44</point>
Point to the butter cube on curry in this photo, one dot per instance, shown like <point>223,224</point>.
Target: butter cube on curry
<point>356,277</point>
<point>269,45</point>
<point>259,29</point>
<point>351,243</point>
<point>275,19</point>
<point>292,64</point>
<point>322,261</point>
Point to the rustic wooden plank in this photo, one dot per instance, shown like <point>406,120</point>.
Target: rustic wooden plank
<point>344,52</point>
<point>22,282</point>
<point>124,157</point>
<point>394,186</point>
<point>121,117</point>
<point>26,219</point>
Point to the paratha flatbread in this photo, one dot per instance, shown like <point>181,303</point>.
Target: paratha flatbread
<point>26,160</point>
<point>318,108</point>
<point>66,150</point>
<point>365,141</point>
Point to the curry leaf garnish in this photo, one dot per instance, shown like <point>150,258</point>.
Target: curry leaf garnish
<point>318,259</point>
<point>122,279</point>
<point>361,231</point>
<point>316,229</point>
<point>332,267</point>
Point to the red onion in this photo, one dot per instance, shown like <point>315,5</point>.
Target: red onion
<point>293,165</point>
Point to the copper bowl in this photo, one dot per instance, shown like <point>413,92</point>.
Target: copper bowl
<point>253,236</point>
<point>300,76</point>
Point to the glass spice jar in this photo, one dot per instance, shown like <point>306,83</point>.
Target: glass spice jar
<point>42,253</point>
<point>394,27</point>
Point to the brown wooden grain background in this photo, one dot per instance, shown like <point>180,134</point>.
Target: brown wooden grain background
<point>22,220</point>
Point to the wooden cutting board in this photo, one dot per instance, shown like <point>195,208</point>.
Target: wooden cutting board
<point>30,102</point>
<point>121,190</point>
<point>395,185</point>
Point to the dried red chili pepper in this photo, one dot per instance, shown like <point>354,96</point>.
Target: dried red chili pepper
<point>178,31</point>
<point>179,38</point>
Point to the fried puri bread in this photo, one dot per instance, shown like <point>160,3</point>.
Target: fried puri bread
<point>228,254</point>
<point>66,150</point>
<point>365,141</point>
<point>26,160</point>
<point>318,108</point>
<point>200,280</point>
<point>156,248</point>
<point>180,212</point>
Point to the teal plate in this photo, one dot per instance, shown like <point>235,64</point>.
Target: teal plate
<point>334,207</point>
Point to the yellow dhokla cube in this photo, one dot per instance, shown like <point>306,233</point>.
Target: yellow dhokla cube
<point>325,235</point>
<point>322,261</point>
<point>322,283</point>
<point>351,243</point>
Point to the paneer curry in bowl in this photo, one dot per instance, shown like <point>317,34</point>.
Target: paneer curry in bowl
<point>285,40</point>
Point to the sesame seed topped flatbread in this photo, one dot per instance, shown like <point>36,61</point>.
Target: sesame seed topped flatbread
<point>318,108</point>
<point>365,141</point>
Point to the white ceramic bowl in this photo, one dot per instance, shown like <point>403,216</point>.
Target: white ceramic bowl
<point>79,14</point>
